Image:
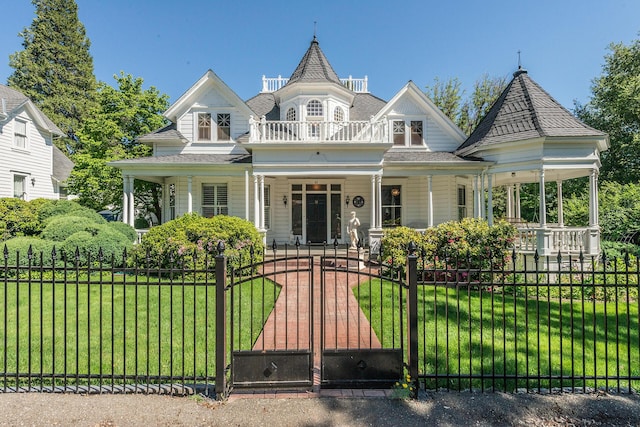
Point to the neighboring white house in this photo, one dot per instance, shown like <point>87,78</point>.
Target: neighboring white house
<point>30,164</point>
<point>307,150</point>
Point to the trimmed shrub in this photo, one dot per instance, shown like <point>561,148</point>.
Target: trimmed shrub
<point>193,234</point>
<point>125,229</point>
<point>59,228</point>
<point>113,244</point>
<point>20,246</point>
<point>18,218</point>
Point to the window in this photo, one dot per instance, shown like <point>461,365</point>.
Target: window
<point>462,202</point>
<point>338,115</point>
<point>291,114</point>
<point>172,201</point>
<point>224,126</point>
<point>391,205</point>
<point>314,108</point>
<point>416,132</point>
<point>398,132</point>
<point>267,207</point>
<point>204,126</point>
<point>20,134</point>
<point>214,200</point>
<point>20,186</point>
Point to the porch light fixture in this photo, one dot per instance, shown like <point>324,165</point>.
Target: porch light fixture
<point>284,200</point>
<point>395,192</point>
<point>347,200</point>
<point>33,181</point>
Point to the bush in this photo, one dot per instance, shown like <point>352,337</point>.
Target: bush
<point>59,228</point>
<point>193,234</point>
<point>111,242</point>
<point>54,208</point>
<point>20,246</point>
<point>18,218</point>
<point>125,229</point>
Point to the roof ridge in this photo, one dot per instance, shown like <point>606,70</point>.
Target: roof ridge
<point>532,107</point>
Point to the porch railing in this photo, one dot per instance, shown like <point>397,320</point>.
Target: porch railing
<point>317,131</point>
<point>272,84</point>
<point>551,240</point>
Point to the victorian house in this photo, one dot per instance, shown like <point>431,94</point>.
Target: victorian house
<point>307,150</point>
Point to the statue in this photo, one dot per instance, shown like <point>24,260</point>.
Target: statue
<point>352,229</point>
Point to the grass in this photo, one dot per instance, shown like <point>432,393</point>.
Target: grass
<point>112,327</point>
<point>471,338</point>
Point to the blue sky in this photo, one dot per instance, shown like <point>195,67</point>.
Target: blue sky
<point>172,44</point>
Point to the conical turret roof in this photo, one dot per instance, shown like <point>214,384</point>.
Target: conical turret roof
<point>314,67</point>
<point>523,111</point>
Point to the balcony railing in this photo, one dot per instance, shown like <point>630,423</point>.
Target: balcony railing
<point>272,84</point>
<point>312,131</point>
<point>551,240</point>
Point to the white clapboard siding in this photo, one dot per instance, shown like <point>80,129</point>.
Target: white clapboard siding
<point>437,139</point>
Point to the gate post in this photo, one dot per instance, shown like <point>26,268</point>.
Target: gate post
<point>412,317</point>
<point>221,327</point>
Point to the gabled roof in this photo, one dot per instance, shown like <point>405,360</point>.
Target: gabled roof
<point>314,67</point>
<point>168,133</point>
<point>62,165</point>
<point>524,111</point>
<point>14,100</point>
<point>264,104</point>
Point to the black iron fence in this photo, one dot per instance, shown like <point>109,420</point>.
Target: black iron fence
<point>124,326</point>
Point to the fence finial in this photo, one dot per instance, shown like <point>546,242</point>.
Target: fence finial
<point>412,248</point>
<point>220,247</point>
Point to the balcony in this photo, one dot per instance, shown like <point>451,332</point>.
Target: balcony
<point>272,84</point>
<point>264,131</point>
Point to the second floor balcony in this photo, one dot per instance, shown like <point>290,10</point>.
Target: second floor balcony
<point>365,131</point>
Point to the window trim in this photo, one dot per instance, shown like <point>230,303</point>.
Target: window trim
<point>220,128</point>
<point>394,206</point>
<point>200,128</point>
<point>317,110</point>
<point>16,133</point>
<point>290,115</point>
<point>218,208</point>
<point>462,208</point>
<point>407,131</point>
<point>24,177</point>
<point>338,114</point>
<point>214,127</point>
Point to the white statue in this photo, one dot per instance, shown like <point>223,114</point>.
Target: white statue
<point>352,229</point>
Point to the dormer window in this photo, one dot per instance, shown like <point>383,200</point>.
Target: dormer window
<point>224,126</point>
<point>408,132</point>
<point>416,132</point>
<point>398,132</point>
<point>314,108</point>
<point>338,114</point>
<point>291,114</point>
<point>204,126</point>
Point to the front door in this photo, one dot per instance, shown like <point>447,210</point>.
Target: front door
<point>317,218</point>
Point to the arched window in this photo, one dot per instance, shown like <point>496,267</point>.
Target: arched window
<point>291,114</point>
<point>338,115</point>
<point>314,108</point>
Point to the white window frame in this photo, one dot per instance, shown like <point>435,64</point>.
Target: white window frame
<point>267,206</point>
<point>338,114</point>
<point>315,110</point>
<point>19,135</point>
<point>16,178</point>
<point>214,130</point>
<point>291,115</point>
<point>171,200</point>
<point>218,127</point>
<point>461,190</point>
<point>392,205</point>
<point>197,126</point>
<point>407,128</point>
<point>217,207</point>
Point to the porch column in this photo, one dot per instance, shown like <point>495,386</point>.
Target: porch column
<point>246,194</point>
<point>482,190</point>
<point>374,204</point>
<point>189,194</point>
<point>165,198</point>
<point>560,213</point>
<point>593,198</point>
<point>476,197</point>
<point>518,201</point>
<point>430,201</point>
<point>261,202</point>
<point>379,201</point>
<point>510,209</point>
<point>132,205</point>
<point>490,201</point>
<point>256,202</point>
<point>125,199</point>
<point>543,203</point>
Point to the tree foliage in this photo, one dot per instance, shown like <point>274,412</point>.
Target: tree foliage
<point>55,68</point>
<point>121,115</point>
<point>615,108</point>
<point>466,112</point>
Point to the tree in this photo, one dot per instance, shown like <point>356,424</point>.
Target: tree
<point>614,108</point>
<point>466,113</point>
<point>55,69</point>
<point>110,133</point>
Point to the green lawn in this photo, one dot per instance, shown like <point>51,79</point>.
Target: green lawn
<point>140,328</point>
<point>471,335</point>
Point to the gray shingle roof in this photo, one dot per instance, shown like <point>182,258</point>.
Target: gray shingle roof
<point>365,105</point>
<point>167,133</point>
<point>62,165</point>
<point>15,99</point>
<point>314,67</point>
<point>188,159</point>
<point>425,157</point>
<point>264,104</point>
<point>524,110</point>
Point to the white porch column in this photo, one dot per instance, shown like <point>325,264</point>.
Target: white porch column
<point>262,202</point>
<point>125,199</point>
<point>256,202</point>
<point>246,194</point>
<point>476,197</point>
<point>482,190</point>
<point>593,198</point>
<point>132,204</point>
<point>189,194</point>
<point>560,212</point>
<point>164,203</point>
<point>510,213</point>
<point>379,201</point>
<point>518,201</point>
<point>490,201</point>
<point>374,203</point>
<point>543,202</point>
<point>430,201</point>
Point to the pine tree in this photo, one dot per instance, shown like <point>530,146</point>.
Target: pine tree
<point>55,69</point>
